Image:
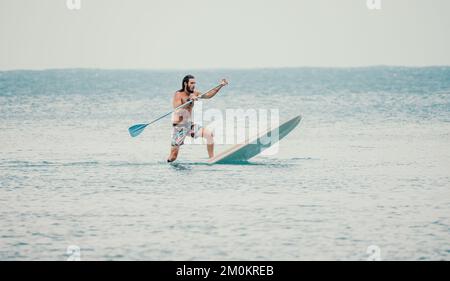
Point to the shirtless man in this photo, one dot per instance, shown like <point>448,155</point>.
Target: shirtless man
<point>181,121</point>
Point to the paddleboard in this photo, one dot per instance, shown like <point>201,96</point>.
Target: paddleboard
<point>254,146</point>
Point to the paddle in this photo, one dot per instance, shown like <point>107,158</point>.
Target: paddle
<point>135,130</point>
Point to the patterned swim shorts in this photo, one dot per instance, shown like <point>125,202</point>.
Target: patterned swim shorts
<point>181,131</point>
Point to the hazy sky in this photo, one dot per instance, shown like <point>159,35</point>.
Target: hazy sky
<point>37,34</point>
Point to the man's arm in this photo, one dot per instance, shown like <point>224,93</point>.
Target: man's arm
<point>177,101</point>
<point>212,93</point>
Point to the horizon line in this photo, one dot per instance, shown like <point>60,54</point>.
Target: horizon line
<point>169,69</point>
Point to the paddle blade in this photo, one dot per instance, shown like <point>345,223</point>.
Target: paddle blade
<point>135,130</point>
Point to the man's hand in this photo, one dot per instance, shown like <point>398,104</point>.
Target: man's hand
<point>193,97</point>
<point>223,82</point>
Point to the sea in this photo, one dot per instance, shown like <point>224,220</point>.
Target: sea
<point>365,176</point>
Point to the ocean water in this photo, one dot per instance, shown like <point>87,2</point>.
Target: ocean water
<point>368,168</point>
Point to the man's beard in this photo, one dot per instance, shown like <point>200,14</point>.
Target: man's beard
<point>189,90</point>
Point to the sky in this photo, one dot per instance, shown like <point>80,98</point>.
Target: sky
<point>204,34</point>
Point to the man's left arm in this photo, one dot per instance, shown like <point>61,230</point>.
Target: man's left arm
<point>213,92</point>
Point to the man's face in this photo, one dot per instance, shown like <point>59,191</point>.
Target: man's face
<point>191,86</point>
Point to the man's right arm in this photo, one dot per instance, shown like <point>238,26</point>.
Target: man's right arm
<point>177,101</point>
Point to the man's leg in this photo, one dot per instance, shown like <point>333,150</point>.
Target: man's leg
<point>178,136</point>
<point>173,153</point>
<point>208,135</point>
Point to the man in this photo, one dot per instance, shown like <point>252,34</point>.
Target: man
<point>181,121</point>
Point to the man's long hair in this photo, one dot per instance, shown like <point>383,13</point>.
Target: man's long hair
<point>185,80</point>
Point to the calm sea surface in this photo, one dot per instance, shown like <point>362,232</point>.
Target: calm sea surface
<point>369,165</point>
